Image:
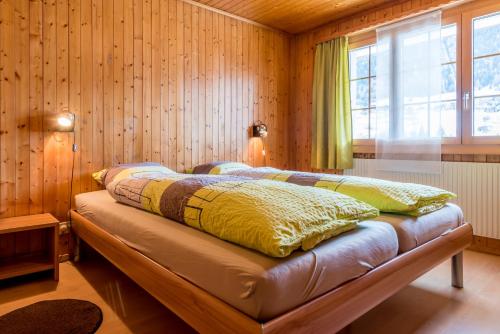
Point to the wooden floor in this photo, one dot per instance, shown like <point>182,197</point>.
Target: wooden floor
<point>429,305</point>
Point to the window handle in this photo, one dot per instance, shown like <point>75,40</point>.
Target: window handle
<point>466,98</point>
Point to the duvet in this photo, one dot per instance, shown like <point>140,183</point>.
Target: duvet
<point>272,217</point>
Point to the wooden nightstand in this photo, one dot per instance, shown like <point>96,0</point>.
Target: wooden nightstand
<point>29,244</point>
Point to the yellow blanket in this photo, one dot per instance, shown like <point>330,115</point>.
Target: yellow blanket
<point>272,217</point>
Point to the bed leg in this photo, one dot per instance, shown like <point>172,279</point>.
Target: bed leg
<point>76,257</point>
<point>457,270</point>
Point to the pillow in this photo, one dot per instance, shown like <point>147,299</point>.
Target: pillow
<point>219,167</point>
<point>121,171</point>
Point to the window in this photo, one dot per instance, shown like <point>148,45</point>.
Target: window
<point>486,75</point>
<point>469,105</point>
<point>362,65</point>
<point>362,68</point>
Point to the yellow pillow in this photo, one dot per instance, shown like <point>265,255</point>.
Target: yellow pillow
<point>219,167</point>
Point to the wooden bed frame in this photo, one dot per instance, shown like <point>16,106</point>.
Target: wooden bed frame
<point>327,313</point>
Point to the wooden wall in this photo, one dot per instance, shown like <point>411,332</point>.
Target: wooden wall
<point>301,70</point>
<point>148,80</point>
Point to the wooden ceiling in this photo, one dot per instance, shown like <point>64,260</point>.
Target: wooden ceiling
<point>293,16</point>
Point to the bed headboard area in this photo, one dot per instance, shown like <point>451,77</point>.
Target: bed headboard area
<point>148,80</point>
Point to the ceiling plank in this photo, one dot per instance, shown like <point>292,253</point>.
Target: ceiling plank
<point>293,16</point>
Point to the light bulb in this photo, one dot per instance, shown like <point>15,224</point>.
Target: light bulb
<point>64,121</point>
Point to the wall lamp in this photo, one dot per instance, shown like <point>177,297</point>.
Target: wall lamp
<point>65,122</point>
<point>259,130</point>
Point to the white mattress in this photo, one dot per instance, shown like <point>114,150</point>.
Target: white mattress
<point>260,286</point>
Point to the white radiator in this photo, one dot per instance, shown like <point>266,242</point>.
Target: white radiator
<point>476,184</point>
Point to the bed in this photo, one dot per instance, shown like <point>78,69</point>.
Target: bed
<point>246,292</point>
<point>256,284</point>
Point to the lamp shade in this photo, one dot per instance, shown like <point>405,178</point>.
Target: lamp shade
<point>65,122</point>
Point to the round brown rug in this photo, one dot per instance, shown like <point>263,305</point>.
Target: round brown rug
<point>64,316</point>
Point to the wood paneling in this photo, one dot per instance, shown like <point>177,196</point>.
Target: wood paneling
<point>485,245</point>
<point>376,16</point>
<point>148,80</point>
<point>293,15</point>
<point>302,56</point>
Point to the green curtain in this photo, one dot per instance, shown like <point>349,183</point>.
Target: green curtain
<point>331,107</point>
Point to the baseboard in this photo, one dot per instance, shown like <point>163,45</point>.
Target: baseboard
<point>485,245</point>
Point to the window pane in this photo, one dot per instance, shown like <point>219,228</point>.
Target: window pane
<point>359,61</point>
<point>359,94</point>
<point>373,92</point>
<point>360,124</point>
<point>487,76</point>
<point>446,111</point>
<point>487,35</point>
<point>449,82</point>
<point>416,87</point>
<point>487,116</point>
<point>449,44</point>
<point>413,50</point>
<point>381,122</point>
<point>373,123</point>
<point>415,121</point>
<point>373,60</point>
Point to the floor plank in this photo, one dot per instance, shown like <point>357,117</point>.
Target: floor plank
<point>429,305</point>
<point>126,307</point>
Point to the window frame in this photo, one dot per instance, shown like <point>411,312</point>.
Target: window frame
<point>464,142</point>
<point>467,71</point>
<point>355,42</point>
<point>446,20</point>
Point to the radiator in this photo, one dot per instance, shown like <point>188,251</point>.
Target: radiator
<point>476,184</point>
